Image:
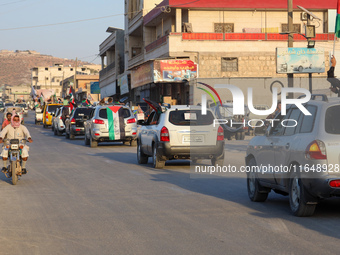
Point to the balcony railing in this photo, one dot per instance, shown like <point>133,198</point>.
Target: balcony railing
<point>251,37</point>
<point>160,41</point>
<point>106,70</point>
<point>136,60</point>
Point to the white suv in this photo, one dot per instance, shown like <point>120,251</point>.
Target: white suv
<point>97,127</point>
<point>180,132</point>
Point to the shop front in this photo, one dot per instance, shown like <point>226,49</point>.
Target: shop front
<point>163,81</point>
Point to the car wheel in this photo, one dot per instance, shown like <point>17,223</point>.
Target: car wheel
<point>141,157</point>
<point>72,136</point>
<point>86,140</point>
<point>296,198</point>
<point>157,162</point>
<point>44,126</point>
<point>218,161</point>
<point>93,143</point>
<point>256,192</point>
<point>55,131</point>
<point>52,127</point>
<point>133,143</point>
<point>67,136</point>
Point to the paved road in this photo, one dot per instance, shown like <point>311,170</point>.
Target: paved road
<point>78,200</point>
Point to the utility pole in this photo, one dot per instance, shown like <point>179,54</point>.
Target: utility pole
<point>290,76</point>
<point>310,74</point>
<point>75,78</point>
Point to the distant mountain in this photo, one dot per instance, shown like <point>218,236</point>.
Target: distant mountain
<point>15,66</point>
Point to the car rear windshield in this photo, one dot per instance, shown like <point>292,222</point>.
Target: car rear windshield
<point>52,108</point>
<point>332,120</point>
<point>80,112</point>
<point>103,113</point>
<point>190,118</point>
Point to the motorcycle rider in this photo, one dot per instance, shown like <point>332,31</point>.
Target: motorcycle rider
<point>7,121</point>
<point>15,131</point>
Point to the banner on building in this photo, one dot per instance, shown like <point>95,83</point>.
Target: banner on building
<point>123,83</point>
<point>108,91</point>
<point>176,70</point>
<point>95,89</point>
<point>142,75</point>
<point>300,60</point>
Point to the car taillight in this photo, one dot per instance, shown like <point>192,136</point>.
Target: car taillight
<point>129,121</point>
<point>78,129</point>
<point>60,118</point>
<point>220,134</point>
<point>46,115</point>
<point>334,183</point>
<point>97,134</point>
<point>165,135</point>
<point>95,121</point>
<point>316,150</point>
<point>21,147</point>
<point>73,121</point>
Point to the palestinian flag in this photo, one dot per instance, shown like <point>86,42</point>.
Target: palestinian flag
<point>71,92</point>
<point>116,123</point>
<point>337,22</point>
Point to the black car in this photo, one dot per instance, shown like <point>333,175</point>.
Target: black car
<point>74,125</point>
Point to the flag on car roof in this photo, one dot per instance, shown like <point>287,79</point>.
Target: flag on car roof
<point>337,22</point>
<point>116,126</point>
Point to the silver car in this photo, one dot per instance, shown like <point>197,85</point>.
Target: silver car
<point>97,127</point>
<point>299,156</point>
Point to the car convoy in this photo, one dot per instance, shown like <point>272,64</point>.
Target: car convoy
<point>300,161</point>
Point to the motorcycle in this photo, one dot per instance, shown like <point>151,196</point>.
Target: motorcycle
<point>14,155</point>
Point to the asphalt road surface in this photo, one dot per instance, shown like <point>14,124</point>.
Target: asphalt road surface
<point>81,200</point>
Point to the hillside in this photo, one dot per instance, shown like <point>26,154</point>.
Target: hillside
<point>15,66</point>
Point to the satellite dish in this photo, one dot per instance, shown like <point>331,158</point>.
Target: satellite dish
<point>308,12</point>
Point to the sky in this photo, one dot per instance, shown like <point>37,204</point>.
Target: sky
<point>76,40</point>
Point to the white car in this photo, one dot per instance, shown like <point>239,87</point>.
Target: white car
<point>180,132</point>
<point>97,127</point>
<point>58,126</point>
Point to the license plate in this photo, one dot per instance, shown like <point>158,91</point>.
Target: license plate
<point>193,138</point>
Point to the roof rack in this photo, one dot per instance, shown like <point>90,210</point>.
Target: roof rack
<point>313,96</point>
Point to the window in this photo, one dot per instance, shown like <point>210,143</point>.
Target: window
<point>308,120</point>
<point>136,51</point>
<point>332,120</point>
<point>296,28</point>
<point>103,113</point>
<point>71,69</point>
<point>190,118</point>
<point>83,69</point>
<point>59,69</point>
<point>229,65</point>
<point>278,129</point>
<point>295,115</point>
<point>81,112</point>
<point>224,27</point>
<point>46,68</point>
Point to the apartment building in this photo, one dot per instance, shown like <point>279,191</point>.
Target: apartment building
<point>111,52</point>
<point>50,77</point>
<point>212,39</point>
<point>82,86</point>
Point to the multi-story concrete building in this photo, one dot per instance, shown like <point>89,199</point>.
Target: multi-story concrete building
<point>111,52</point>
<point>213,39</point>
<point>49,77</point>
<point>82,86</point>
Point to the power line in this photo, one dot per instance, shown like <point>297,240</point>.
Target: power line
<point>165,8</point>
<point>13,2</point>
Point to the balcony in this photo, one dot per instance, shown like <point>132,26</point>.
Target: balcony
<point>160,41</point>
<point>109,70</point>
<point>251,37</point>
<point>136,60</point>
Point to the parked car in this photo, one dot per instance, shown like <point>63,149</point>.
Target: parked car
<point>74,125</point>
<point>17,109</point>
<point>304,159</point>
<point>180,132</point>
<point>97,128</point>
<point>49,110</point>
